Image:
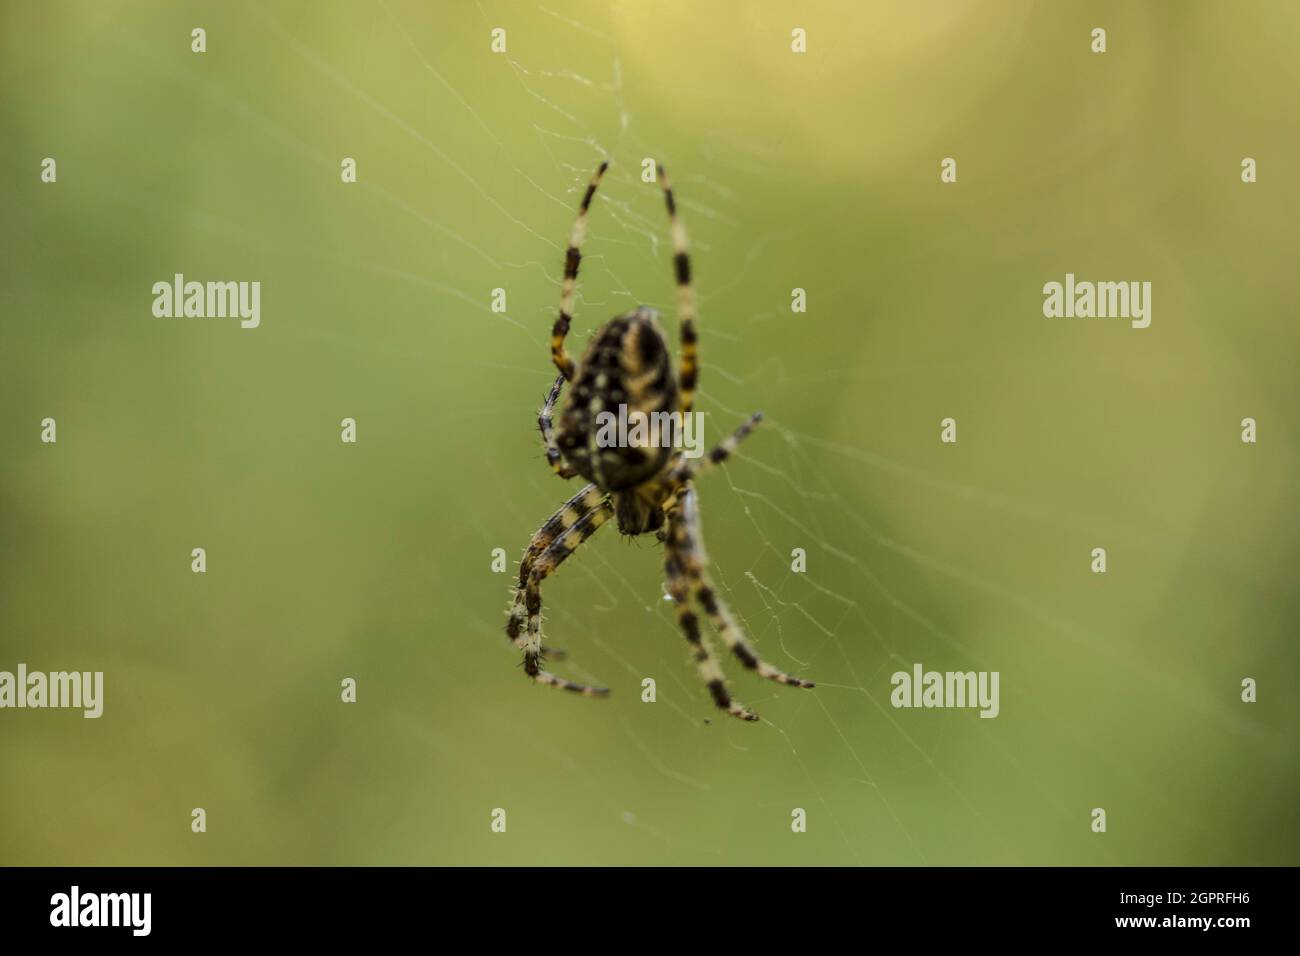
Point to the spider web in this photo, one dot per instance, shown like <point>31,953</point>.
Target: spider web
<point>881,785</point>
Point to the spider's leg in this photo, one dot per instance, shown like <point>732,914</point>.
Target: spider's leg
<point>690,362</point>
<point>709,670</point>
<point>573,510</point>
<point>542,567</point>
<point>545,422</point>
<point>688,468</point>
<point>689,545</point>
<point>572,256</point>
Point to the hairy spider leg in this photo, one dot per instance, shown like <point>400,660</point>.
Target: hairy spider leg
<point>545,421</point>
<point>706,664</point>
<point>688,468</point>
<point>563,545</point>
<point>685,539</point>
<point>690,363</point>
<point>572,256</point>
<point>569,514</point>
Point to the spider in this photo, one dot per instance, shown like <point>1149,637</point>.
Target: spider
<point>643,486</point>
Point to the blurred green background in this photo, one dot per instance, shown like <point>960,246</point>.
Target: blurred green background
<point>373,561</point>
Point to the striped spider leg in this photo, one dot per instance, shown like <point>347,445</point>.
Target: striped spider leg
<point>686,570</point>
<point>568,290</point>
<point>579,518</point>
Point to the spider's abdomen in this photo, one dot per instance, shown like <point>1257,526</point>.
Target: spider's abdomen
<point>625,374</point>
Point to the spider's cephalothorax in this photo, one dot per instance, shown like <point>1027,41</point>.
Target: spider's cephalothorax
<point>626,369</point>
<point>645,483</point>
